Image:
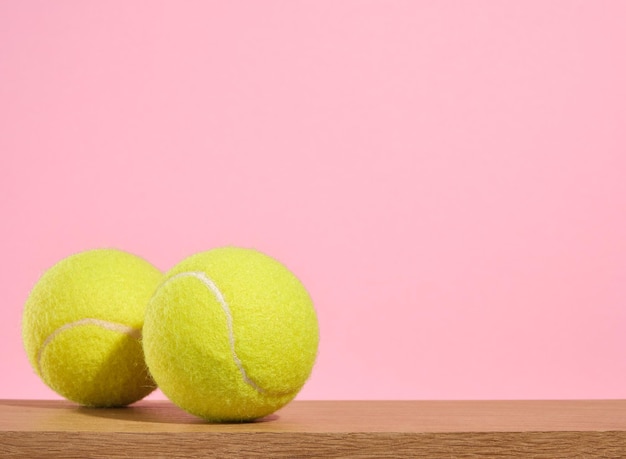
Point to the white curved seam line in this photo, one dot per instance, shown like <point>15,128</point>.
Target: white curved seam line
<point>202,277</point>
<point>113,326</point>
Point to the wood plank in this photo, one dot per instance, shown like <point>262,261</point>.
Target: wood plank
<point>550,429</point>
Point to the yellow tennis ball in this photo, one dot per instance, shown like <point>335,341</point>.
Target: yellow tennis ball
<point>82,327</point>
<point>230,335</point>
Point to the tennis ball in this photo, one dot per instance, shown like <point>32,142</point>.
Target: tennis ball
<point>230,335</point>
<point>82,325</point>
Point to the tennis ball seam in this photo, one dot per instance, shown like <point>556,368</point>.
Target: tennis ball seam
<point>213,288</point>
<point>113,326</point>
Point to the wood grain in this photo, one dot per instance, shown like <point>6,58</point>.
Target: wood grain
<point>435,429</point>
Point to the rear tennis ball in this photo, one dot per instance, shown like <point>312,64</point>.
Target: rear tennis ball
<point>82,324</point>
<point>230,335</point>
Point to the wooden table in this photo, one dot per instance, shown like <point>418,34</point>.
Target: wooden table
<point>463,429</point>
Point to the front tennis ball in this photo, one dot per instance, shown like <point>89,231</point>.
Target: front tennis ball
<point>82,325</point>
<point>230,335</point>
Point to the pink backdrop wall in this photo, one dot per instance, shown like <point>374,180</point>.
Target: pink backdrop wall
<point>447,178</point>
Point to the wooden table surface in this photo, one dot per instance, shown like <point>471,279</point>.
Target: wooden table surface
<point>464,429</point>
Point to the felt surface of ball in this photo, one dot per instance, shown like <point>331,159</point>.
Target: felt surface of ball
<point>230,335</point>
<point>82,327</point>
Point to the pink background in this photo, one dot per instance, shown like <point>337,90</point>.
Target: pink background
<point>448,178</point>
